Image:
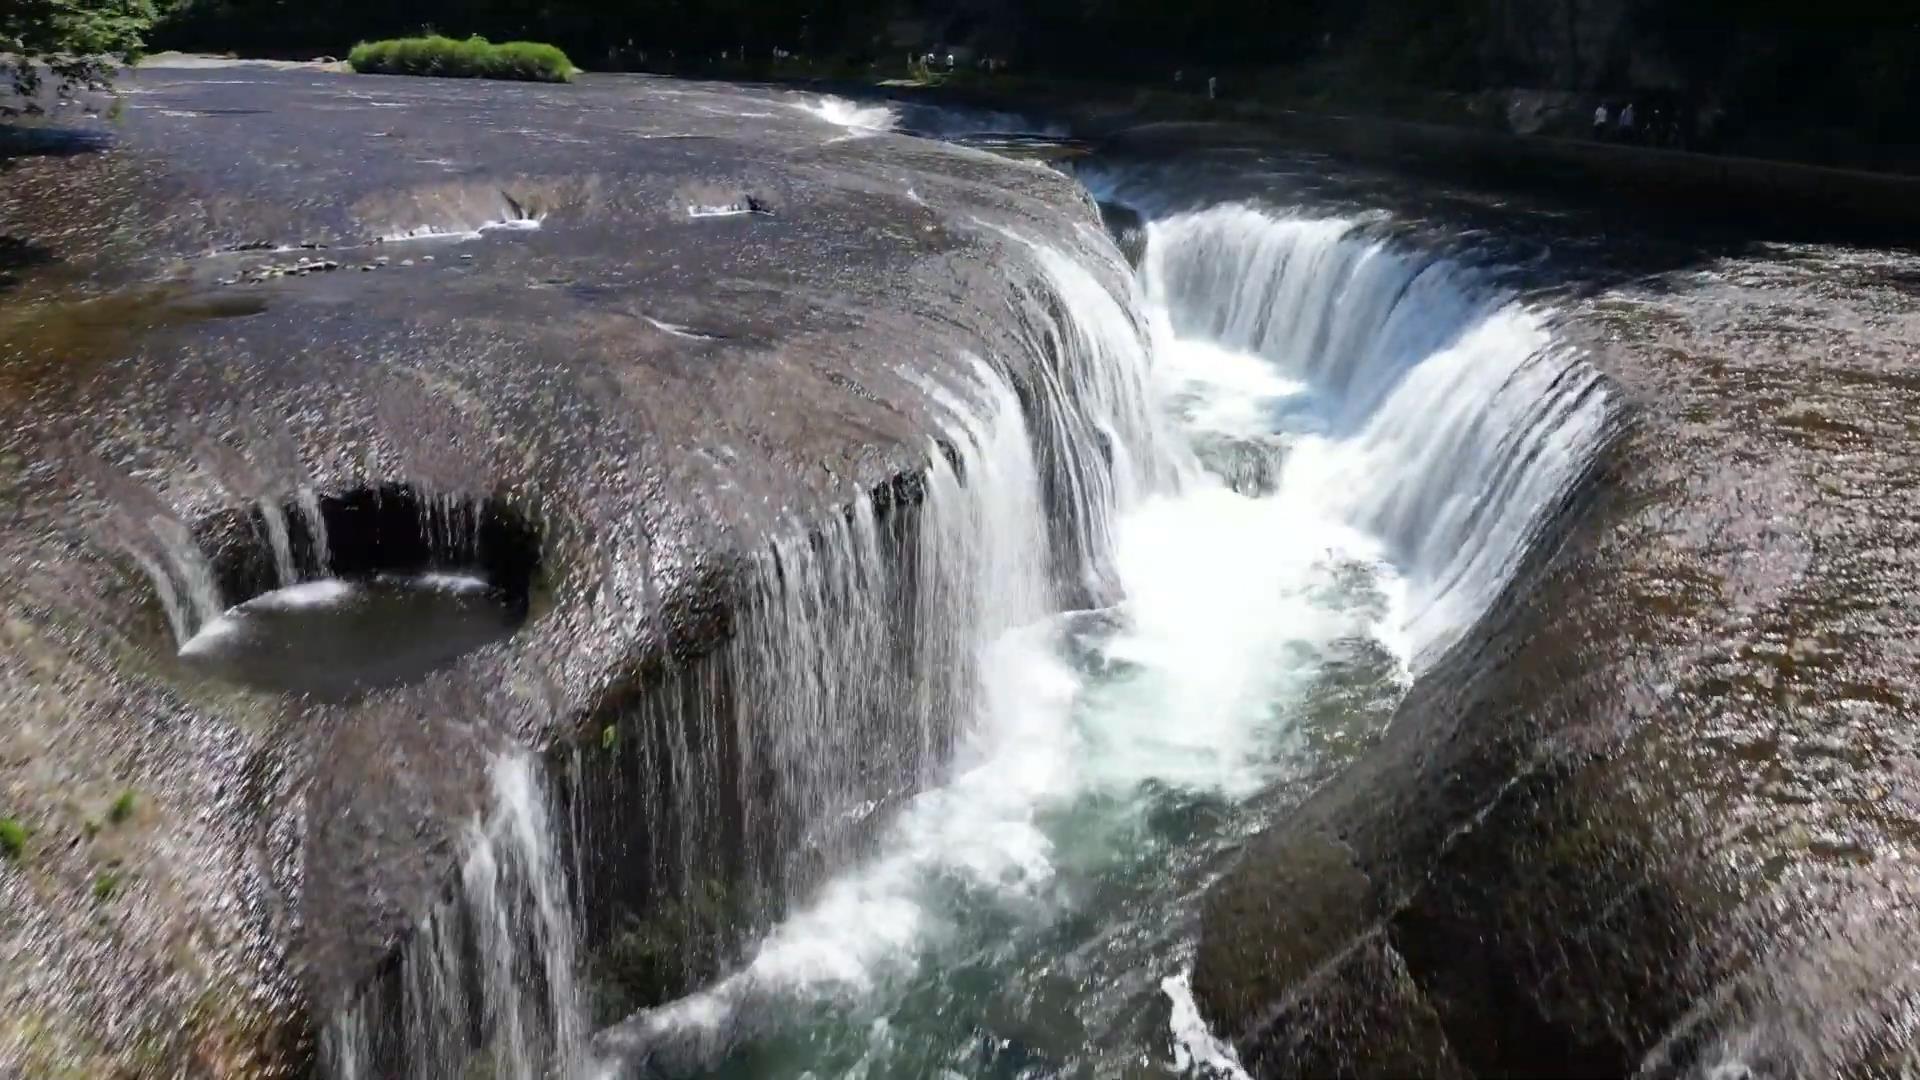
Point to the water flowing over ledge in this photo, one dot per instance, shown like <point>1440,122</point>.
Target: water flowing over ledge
<point>1414,429</point>
<point>876,765</point>
<point>999,627</point>
<point>724,788</point>
<point>1439,415</point>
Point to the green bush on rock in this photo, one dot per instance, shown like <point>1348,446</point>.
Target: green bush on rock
<point>474,58</point>
<point>13,838</point>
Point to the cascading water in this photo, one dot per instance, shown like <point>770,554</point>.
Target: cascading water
<point>488,986</point>
<point>978,822</point>
<point>1416,404</point>
<point>861,649</point>
<point>929,121</point>
<point>1031,912</point>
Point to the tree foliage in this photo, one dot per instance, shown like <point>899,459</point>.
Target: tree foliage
<point>596,33</point>
<point>72,42</point>
<point>1847,66</point>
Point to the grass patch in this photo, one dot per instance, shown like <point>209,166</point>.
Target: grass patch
<point>122,807</point>
<point>13,838</point>
<point>474,58</point>
<point>105,885</point>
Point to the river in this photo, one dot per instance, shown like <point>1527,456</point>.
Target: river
<point>661,579</point>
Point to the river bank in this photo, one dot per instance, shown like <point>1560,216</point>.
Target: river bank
<point>1453,145</point>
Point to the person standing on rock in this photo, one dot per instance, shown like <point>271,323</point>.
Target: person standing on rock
<point>1600,119</point>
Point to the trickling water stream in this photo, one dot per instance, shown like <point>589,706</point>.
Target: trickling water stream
<point>494,967</point>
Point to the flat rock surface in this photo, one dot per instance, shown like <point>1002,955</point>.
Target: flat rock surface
<point>660,321</point>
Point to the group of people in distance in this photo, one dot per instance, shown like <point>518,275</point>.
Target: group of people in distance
<point>1658,128</point>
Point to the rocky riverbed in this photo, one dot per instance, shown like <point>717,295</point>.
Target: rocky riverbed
<point>710,429</point>
<point>593,343</point>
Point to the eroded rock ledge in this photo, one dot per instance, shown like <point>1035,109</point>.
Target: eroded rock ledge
<point>525,311</point>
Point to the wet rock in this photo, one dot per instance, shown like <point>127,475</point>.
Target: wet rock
<point>1598,836</point>
<point>653,468</point>
<point>1128,229</point>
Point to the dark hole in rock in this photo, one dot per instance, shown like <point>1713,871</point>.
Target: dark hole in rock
<point>1128,229</point>
<point>395,584</point>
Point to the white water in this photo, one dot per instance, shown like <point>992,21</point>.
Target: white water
<point>498,963</point>
<point>727,210</point>
<point>279,539</point>
<point>181,574</point>
<point>1441,417</point>
<point>853,116</point>
<point>311,594</point>
<point>1418,428</point>
<point>460,233</point>
<point>309,501</point>
<point>928,121</point>
<point>1411,429</point>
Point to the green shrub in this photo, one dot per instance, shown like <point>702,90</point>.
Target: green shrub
<point>105,885</point>
<point>122,807</point>
<point>474,58</point>
<point>13,838</point>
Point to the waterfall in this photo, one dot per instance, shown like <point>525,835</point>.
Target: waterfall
<point>864,644</point>
<point>137,522</point>
<point>1433,411</point>
<point>279,540</point>
<point>1285,447</point>
<point>1412,429</point>
<point>309,500</point>
<point>488,986</point>
<point>981,569</point>
<point>189,568</point>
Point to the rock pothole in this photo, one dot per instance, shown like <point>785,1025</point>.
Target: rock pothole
<point>339,594</point>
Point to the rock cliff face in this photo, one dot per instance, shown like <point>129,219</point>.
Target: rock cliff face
<point>629,330</point>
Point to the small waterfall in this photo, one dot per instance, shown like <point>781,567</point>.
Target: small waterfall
<point>488,986</point>
<point>1446,420</point>
<point>239,475</point>
<point>279,459</point>
<point>1100,438</point>
<point>190,569</point>
<point>309,501</point>
<point>909,691</point>
<point>136,522</point>
<point>279,539</point>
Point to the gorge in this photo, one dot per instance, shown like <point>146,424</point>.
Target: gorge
<point>650,578</point>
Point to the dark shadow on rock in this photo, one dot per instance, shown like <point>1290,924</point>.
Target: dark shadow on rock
<point>18,256</point>
<point>24,140</point>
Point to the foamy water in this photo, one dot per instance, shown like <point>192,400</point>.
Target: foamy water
<point>855,117</point>
<point>456,234</point>
<point>1088,725</point>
